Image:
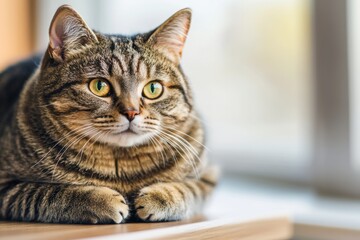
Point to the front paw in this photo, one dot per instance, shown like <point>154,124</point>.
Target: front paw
<point>103,205</point>
<point>161,202</point>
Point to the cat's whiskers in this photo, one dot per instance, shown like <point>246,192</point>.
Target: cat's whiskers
<point>74,140</point>
<point>95,141</point>
<point>168,145</point>
<point>68,145</point>
<point>171,150</point>
<point>154,146</point>
<point>188,156</point>
<point>98,135</point>
<point>81,149</point>
<point>171,128</point>
<point>184,141</point>
<point>180,139</point>
<point>70,133</point>
<point>179,144</point>
<point>173,145</point>
<point>62,151</point>
<point>190,150</point>
<point>155,143</point>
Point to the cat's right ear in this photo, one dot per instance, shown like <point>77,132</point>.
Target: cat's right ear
<point>68,33</point>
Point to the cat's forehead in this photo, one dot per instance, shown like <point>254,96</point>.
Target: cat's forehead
<point>126,45</point>
<point>125,57</point>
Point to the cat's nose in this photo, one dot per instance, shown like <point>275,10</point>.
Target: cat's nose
<point>130,114</point>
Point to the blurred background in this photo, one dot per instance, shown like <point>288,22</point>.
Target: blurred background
<point>276,81</point>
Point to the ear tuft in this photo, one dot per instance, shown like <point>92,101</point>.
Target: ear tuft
<point>68,32</point>
<point>170,37</point>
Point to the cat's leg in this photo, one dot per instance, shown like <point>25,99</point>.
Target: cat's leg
<point>58,203</point>
<point>175,200</point>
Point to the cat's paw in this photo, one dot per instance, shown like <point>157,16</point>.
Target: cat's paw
<point>160,202</point>
<point>104,205</point>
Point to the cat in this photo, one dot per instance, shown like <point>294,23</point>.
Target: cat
<point>103,130</point>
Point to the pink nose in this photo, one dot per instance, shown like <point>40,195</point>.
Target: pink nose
<point>130,114</point>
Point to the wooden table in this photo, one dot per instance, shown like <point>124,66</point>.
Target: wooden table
<point>275,227</point>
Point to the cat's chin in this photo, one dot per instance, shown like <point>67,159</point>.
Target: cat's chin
<point>127,139</point>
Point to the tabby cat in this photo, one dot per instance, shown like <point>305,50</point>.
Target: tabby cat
<point>103,130</point>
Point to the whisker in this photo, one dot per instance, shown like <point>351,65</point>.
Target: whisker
<point>67,146</point>
<point>181,139</point>
<point>187,136</point>
<point>189,157</point>
<point>99,134</point>
<point>162,154</point>
<point>71,133</point>
<point>153,144</point>
<point>188,147</point>
<point>81,151</point>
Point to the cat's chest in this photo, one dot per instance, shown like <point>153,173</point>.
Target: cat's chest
<point>126,170</point>
<point>122,163</point>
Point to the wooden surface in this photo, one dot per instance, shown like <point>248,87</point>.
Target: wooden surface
<point>196,228</point>
<point>313,231</point>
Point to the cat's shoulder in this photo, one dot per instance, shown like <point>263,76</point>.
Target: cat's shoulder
<point>13,79</point>
<point>21,70</point>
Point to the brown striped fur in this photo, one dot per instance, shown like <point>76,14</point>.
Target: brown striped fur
<point>65,154</point>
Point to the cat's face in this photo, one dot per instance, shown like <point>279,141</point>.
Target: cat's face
<point>115,89</point>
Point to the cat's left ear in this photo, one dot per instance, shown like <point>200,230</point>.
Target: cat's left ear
<point>170,37</point>
<point>68,32</point>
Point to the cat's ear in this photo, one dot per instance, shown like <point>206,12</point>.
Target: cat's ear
<point>68,32</point>
<point>170,37</point>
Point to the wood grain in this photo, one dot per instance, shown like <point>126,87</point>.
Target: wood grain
<point>314,231</point>
<point>196,228</point>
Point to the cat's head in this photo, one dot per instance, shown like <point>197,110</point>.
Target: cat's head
<point>115,89</point>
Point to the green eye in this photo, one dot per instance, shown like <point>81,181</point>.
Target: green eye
<point>99,87</point>
<point>153,90</point>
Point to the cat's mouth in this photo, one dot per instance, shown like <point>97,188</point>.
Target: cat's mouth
<point>129,130</point>
<point>126,138</point>
<point>127,134</point>
<point>126,131</point>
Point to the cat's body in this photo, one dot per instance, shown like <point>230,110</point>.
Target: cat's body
<point>70,153</point>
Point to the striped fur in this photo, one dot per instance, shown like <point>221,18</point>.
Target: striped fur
<point>65,154</point>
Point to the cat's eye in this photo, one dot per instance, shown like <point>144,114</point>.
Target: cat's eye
<point>99,87</point>
<point>153,90</point>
